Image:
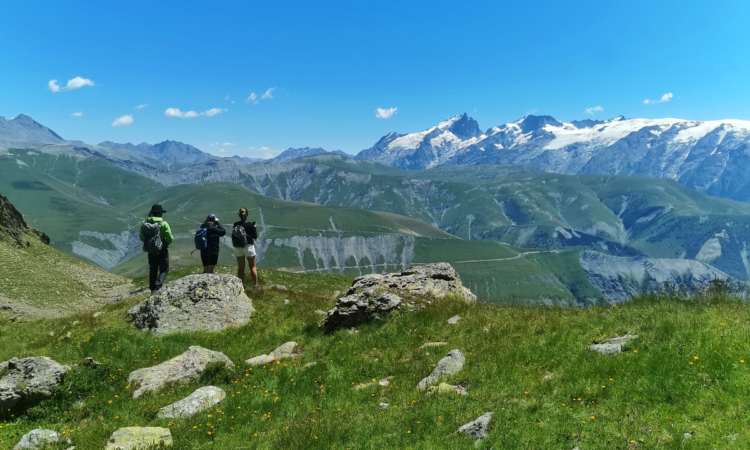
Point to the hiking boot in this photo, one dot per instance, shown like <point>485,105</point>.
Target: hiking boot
<point>257,288</point>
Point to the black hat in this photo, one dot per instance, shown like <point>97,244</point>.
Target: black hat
<point>157,209</point>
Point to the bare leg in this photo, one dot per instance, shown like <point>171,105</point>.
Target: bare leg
<point>241,269</point>
<point>253,270</point>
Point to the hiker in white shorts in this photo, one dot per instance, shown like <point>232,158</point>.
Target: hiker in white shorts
<point>244,234</point>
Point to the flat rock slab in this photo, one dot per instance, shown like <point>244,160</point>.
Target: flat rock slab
<point>359,308</point>
<point>183,368</point>
<point>28,382</point>
<point>284,351</point>
<point>139,438</point>
<point>205,302</point>
<point>445,388</point>
<point>36,439</point>
<point>612,346</point>
<point>454,320</point>
<point>200,400</point>
<point>477,429</point>
<point>451,364</point>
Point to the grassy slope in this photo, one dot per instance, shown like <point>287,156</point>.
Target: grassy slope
<point>528,365</point>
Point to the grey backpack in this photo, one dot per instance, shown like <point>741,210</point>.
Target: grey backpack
<point>152,242</point>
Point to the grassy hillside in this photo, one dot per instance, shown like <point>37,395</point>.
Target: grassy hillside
<point>686,373</point>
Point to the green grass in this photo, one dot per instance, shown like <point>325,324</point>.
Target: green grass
<point>528,365</point>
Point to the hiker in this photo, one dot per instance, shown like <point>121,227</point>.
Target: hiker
<point>244,234</point>
<point>156,237</point>
<point>210,251</point>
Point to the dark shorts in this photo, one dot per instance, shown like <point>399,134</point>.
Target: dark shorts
<point>209,259</point>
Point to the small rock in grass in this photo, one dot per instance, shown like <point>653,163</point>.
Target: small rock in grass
<point>454,320</point>
<point>384,383</point>
<point>612,346</point>
<point>141,438</point>
<point>278,287</point>
<point>352,331</point>
<point>90,362</point>
<point>311,364</point>
<point>451,364</point>
<point>97,314</point>
<point>478,428</point>
<point>183,368</point>
<point>433,344</point>
<point>383,405</point>
<point>286,301</point>
<point>372,383</point>
<point>284,351</point>
<point>320,313</point>
<point>199,401</point>
<point>36,439</point>
<point>445,388</point>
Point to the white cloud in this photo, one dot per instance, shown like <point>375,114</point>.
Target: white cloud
<point>141,106</point>
<point>175,112</point>
<point>252,98</point>
<point>74,83</point>
<point>381,113</point>
<point>262,152</point>
<point>228,144</point>
<point>594,109</point>
<point>221,150</point>
<point>532,111</point>
<point>268,94</point>
<point>123,121</point>
<point>77,114</point>
<point>664,98</point>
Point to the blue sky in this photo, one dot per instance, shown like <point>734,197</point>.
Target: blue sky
<point>330,65</point>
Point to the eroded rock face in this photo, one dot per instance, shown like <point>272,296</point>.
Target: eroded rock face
<point>140,438</point>
<point>436,279</point>
<point>28,382</point>
<point>357,309</point>
<point>283,351</point>
<point>477,429</point>
<point>205,302</point>
<point>183,368</point>
<point>200,400</point>
<point>450,365</point>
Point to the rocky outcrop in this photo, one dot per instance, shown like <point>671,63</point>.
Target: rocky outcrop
<point>184,368</point>
<point>200,400</point>
<point>374,296</point>
<point>14,229</point>
<point>284,351</point>
<point>450,365</point>
<point>37,439</point>
<point>195,302</point>
<point>139,438</point>
<point>478,428</point>
<point>28,382</point>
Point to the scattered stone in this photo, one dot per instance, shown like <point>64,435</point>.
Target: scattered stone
<point>311,364</point>
<point>199,401</point>
<point>90,362</point>
<point>286,301</point>
<point>141,438</point>
<point>612,346</point>
<point>549,376</point>
<point>278,287</point>
<point>352,331</point>
<point>320,312</point>
<point>445,388</point>
<point>37,438</point>
<point>454,320</point>
<point>384,382</point>
<point>357,309</point>
<point>97,314</point>
<point>205,302</point>
<point>450,365</point>
<point>433,344</point>
<point>437,280</point>
<point>14,318</point>
<point>686,436</point>
<point>284,351</point>
<point>478,428</point>
<point>28,382</point>
<point>383,405</point>
<point>75,322</point>
<point>180,369</point>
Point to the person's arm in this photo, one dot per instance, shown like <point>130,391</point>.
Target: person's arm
<point>253,231</point>
<point>166,233</point>
<point>143,236</point>
<point>220,231</point>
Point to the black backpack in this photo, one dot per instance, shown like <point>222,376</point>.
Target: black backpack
<point>152,242</point>
<point>239,236</point>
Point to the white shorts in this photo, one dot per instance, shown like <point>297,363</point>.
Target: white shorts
<point>247,251</point>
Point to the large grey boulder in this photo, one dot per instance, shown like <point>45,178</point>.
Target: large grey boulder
<point>450,365</point>
<point>436,280</point>
<point>36,439</point>
<point>200,400</point>
<point>357,309</point>
<point>206,302</point>
<point>612,346</point>
<point>477,429</point>
<point>28,382</point>
<point>183,368</point>
<point>140,438</point>
<point>284,351</point>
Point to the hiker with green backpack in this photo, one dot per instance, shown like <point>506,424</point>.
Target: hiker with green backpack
<point>156,237</point>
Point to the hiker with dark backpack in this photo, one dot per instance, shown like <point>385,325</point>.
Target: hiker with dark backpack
<point>208,241</point>
<point>156,237</point>
<point>244,234</point>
